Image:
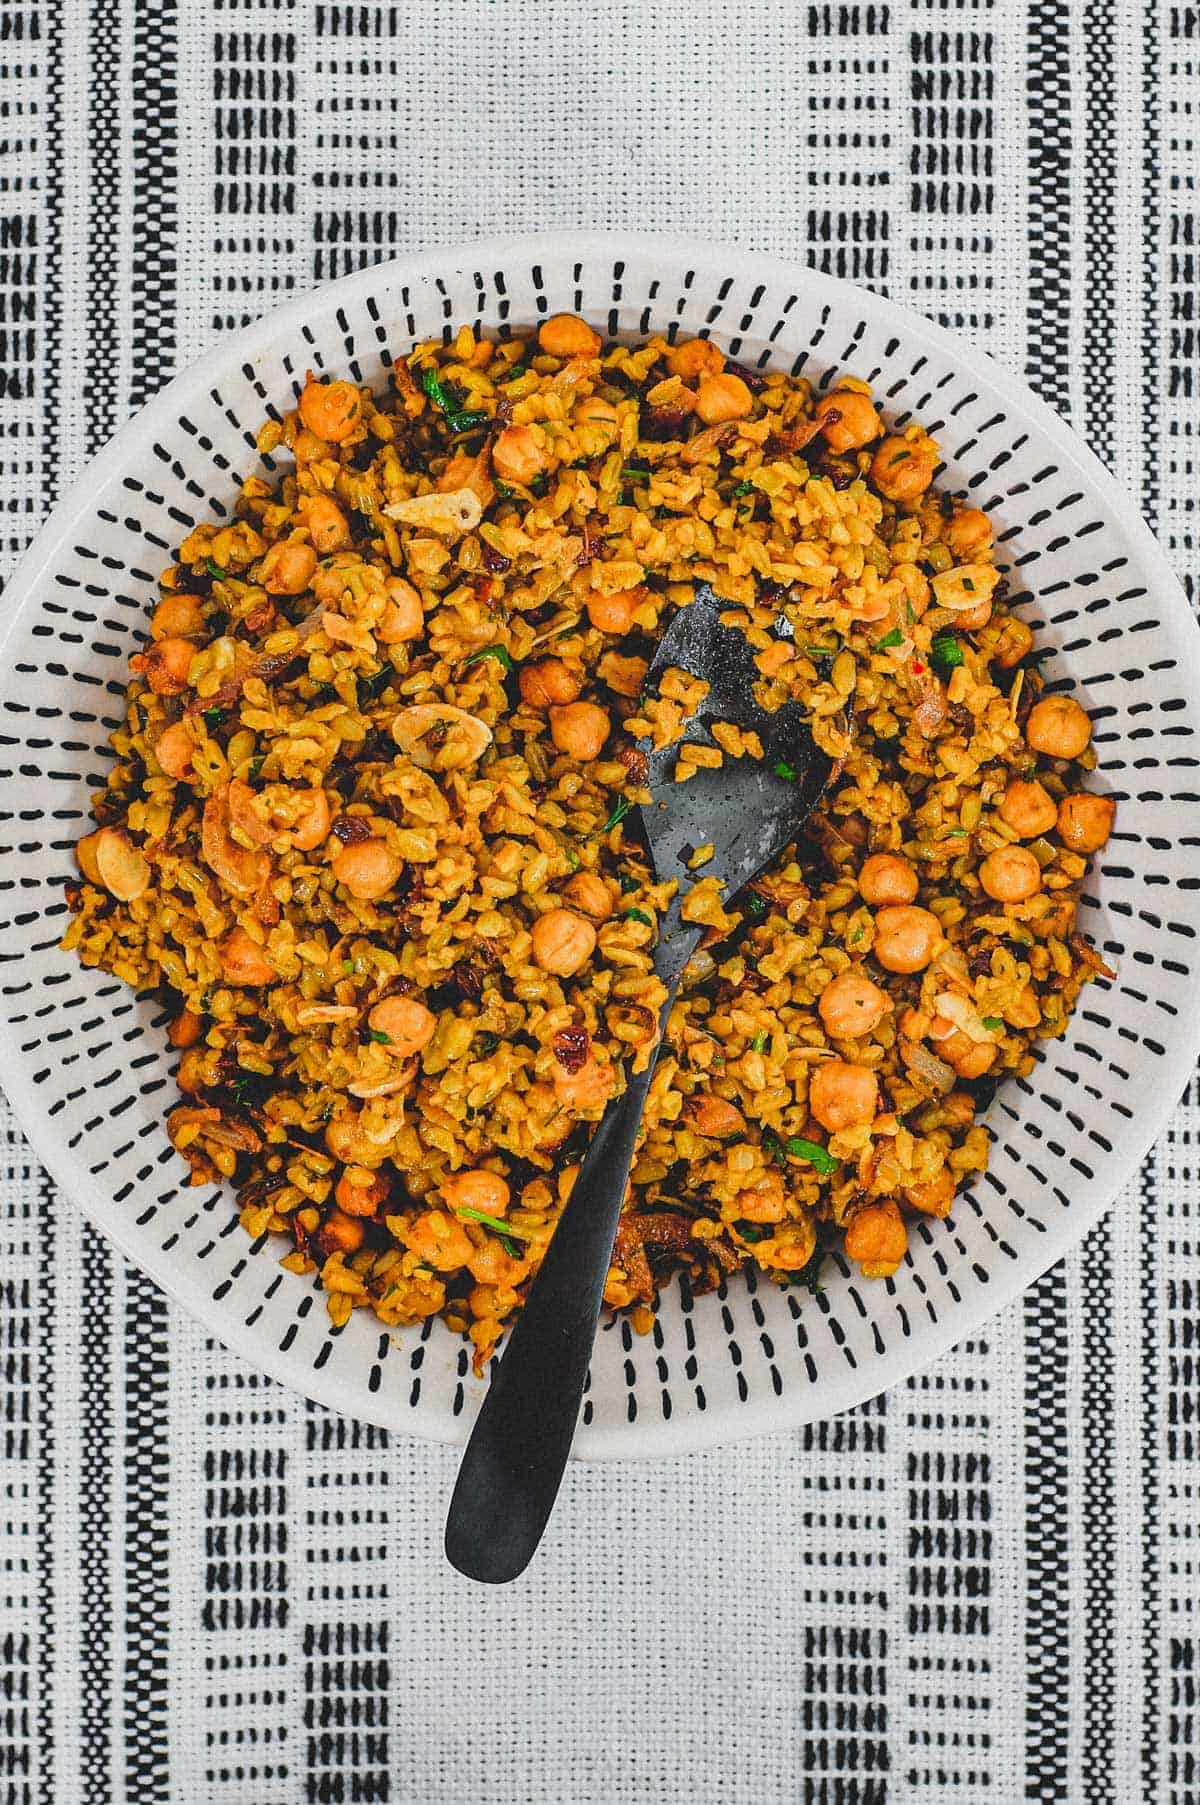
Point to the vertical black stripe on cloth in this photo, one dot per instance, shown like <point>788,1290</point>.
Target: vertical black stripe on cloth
<point>1100,1550</point>
<point>255,124</point>
<point>105,130</point>
<point>1049,101</point>
<point>96,1452</point>
<point>155,133</point>
<point>952,190</point>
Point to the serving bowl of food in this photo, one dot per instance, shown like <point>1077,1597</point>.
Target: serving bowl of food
<point>332,930</point>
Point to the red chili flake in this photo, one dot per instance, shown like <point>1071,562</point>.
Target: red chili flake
<point>917,665</point>
<point>571,1048</point>
<point>351,830</point>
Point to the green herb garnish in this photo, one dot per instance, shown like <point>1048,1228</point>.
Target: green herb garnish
<point>992,1023</point>
<point>431,384</point>
<point>752,1231</point>
<point>773,1147</point>
<point>756,908</point>
<point>820,651</point>
<point>956,833</point>
<point>348,967</point>
<point>968,583</point>
<point>492,1222</point>
<point>856,936</point>
<point>497,652</point>
<point>214,570</point>
<point>946,650</point>
<point>618,815</point>
<point>466,421</point>
<point>782,769</point>
<point>636,476</point>
<point>744,489</point>
<point>256,765</point>
<point>629,885</point>
<point>213,716</point>
<point>899,457</point>
<point>909,615</point>
<point>894,638</point>
<point>385,1040</point>
<point>540,484</point>
<point>759,1043</point>
<point>637,915</point>
<point>376,683</point>
<point>814,1154</point>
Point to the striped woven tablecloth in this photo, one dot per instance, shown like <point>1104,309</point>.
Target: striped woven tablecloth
<point>979,1586</point>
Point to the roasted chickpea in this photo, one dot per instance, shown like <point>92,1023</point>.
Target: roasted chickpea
<point>1011,874</point>
<point>562,942</point>
<point>876,1237</point>
<point>312,821</point>
<point>694,357</point>
<point>479,1190</point>
<point>331,410</point>
<point>178,617</point>
<point>439,1239</point>
<point>287,567</point>
<point>1085,821</point>
<point>1027,809</point>
<point>566,335</point>
<point>887,878</point>
<point>360,1192</point>
<point>902,469</point>
<point>547,682</point>
<point>403,616</point>
<point>721,398</point>
<point>173,749</point>
<point>848,419</point>
<point>968,532</point>
<point>327,526</point>
<point>580,729</point>
<point>243,961</point>
<point>973,1061</point>
<point>716,1117</point>
<point>368,870</point>
<point>587,1090</point>
<point>340,1233</point>
<point>614,613</point>
<point>590,895</point>
<point>906,939</point>
<point>408,1025</point>
<point>595,411</point>
<point>516,455</point>
<point>1013,641</point>
<point>841,1095</point>
<point>165,665</point>
<point>763,1201</point>
<point>852,1006</point>
<point>933,1198</point>
<point>186,1029</point>
<point>1058,727</point>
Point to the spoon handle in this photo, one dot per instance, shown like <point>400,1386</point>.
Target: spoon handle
<point>513,1464</point>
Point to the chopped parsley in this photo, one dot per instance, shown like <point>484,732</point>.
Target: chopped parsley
<point>214,570</point>
<point>744,489</point>
<point>640,476</point>
<point>385,1040</point>
<point>497,652</point>
<point>814,1154</point>
<point>820,651</point>
<point>213,717</point>
<point>909,615</point>
<point>894,638</point>
<point>348,967</point>
<point>756,907</point>
<point>638,915</point>
<point>431,385</point>
<point>629,884</point>
<point>759,1043</point>
<point>992,1023</point>
<point>946,650</point>
<point>752,1231</point>
<point>856,936</point>
<point>782,769</point>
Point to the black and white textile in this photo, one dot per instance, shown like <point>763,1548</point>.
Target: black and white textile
<point>980,1586</point>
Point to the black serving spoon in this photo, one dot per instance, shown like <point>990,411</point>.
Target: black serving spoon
<point>748,811</point>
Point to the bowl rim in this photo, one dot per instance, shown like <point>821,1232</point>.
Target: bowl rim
<point>843,1388</point>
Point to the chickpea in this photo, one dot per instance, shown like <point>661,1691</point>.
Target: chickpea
<point>902,469</point>
<point>694,357</point>
<point>906,939</point>
<point>173,749</point>
<point>331,410</point>
<point>516,455</point>
<point>1027,809</point>
<point>310,828</point>
<point>1057,726</point>
<point>852,1006</point>
<point>548,681</point>
<point>327,526</point>
<point>887,878</point>
<point>491,1266</point>
<point>877,1238</point>
<point>345,1141</point>
<point>1085,822</point>
<point>721,398</point>
<point>186,1029</point>
<point>933,1198</point>
<point>243,961</point>
<point>848,419</point>
<point>368,869</point>
<point>165,665</point>
<point>841,1095</point>
<point>178,617</point>
<point>287,567</point>
<point>763,1201</point>
<point>562,942</point>
<point>1011,874</point>
<point>360,1191</point>
<point>409,1025</point>
<point>1013,641</point>
<point>614,613</point>
<point>586,1090</point>
<point>968,532</point>
<point>590,895</point>
<point>595,411</point>
<point>340,1233</point>
<point>403,614</point>
<point>480,1190</point>
<point>970,620</point>
<point>975,1059</point>
<point>566,335</point>
<point>580,729</point>
<point>439,1239</point>
<point>716,1117</point>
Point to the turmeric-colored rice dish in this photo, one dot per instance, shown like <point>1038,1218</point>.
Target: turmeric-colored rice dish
<point>372,832</point>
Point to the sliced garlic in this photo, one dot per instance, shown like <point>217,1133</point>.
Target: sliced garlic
<point>115,863</point>
<point>963,1014</point>
<point>438,737</point>
<point>313,1015</point>
<point>456,512</point>
<point>966,586</point>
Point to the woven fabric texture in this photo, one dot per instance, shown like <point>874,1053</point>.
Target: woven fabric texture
<point>982,1584</point>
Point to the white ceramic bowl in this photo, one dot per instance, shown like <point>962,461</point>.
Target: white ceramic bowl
<point>87,1065</point>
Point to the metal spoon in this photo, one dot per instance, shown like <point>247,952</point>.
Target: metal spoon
<point>749,811</point>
